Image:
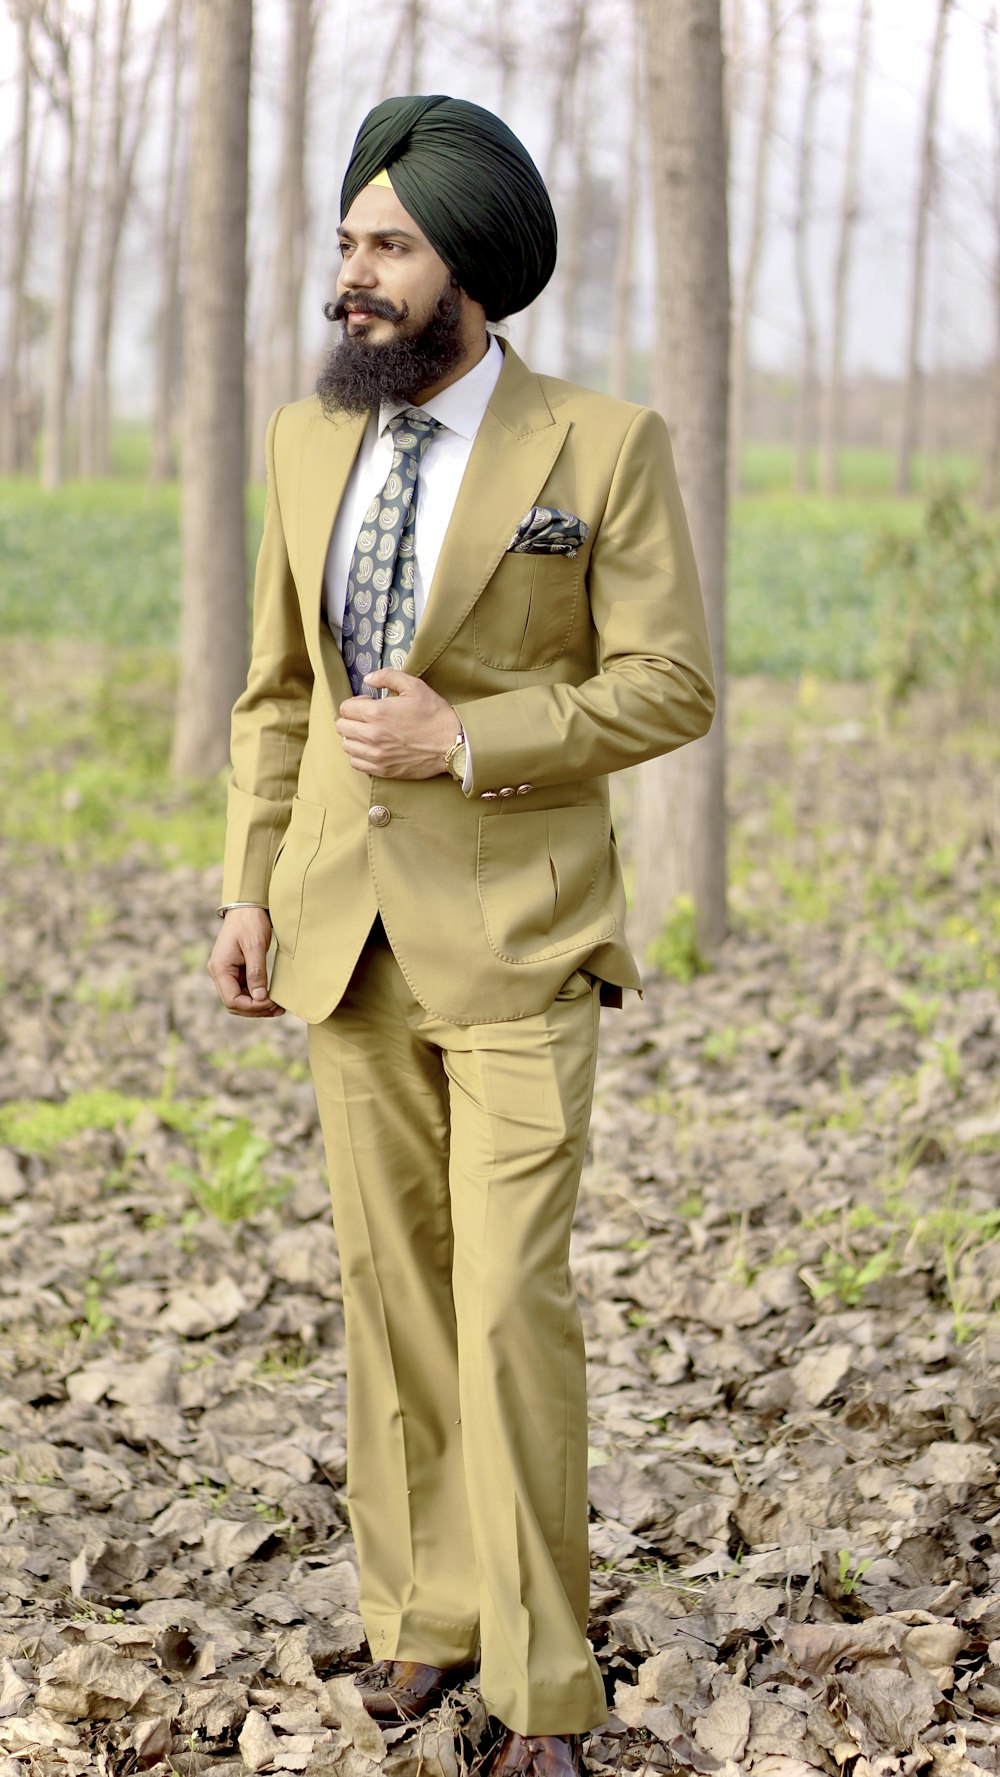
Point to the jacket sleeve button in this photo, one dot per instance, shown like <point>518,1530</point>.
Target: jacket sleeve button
<point>508,790</point>
<point>522,789</point>
<point>488,796</point>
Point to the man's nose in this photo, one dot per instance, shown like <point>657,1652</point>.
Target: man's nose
<point>360,272</point>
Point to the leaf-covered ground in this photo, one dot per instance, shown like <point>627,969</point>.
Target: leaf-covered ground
<point>788,1253</point>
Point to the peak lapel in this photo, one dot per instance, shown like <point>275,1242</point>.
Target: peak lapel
<point>514,451</point>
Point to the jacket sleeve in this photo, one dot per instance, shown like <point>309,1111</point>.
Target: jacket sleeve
<point>271,718</point>
<point>655,689</point>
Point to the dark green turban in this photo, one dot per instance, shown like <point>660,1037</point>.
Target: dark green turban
<point>472,188</point>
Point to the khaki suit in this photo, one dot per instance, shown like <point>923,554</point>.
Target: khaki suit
<point>454,1063</point>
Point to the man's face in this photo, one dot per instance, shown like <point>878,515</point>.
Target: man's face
<point>401,310</point>
<point>389,262</point>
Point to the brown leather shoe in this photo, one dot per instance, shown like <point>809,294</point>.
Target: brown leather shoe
<point>402,1690</point>
<point>539,1755</point>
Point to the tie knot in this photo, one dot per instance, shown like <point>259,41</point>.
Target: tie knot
<point>412,431</point>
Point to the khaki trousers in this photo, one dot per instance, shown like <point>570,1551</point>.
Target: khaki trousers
<point>455,1155</point>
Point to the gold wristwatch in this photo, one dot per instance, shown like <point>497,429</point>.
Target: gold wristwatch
<point>456,757</point>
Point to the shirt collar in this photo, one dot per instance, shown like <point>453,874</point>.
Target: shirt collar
<point>459,407</point>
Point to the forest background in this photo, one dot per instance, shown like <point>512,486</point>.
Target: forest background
<point>789,1240</point>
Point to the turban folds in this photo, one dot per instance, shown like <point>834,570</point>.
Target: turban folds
<point>471,187</point>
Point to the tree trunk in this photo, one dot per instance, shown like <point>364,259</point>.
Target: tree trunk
<point>276,368</point>
<point>913,383</point>
<point>989,493</point>
<point>73,207</point>
<point>573,236</point>
<point>566,74</point>
<point>505,47</point>
<point>60,351</point>
<point>734,22</point>
<point>805,414</point>
<point>619,381</point>
<point>833,396</point>
<point>748,282</point>
<point>680,822</point>
<point>213,647</point>
<point>122,147</point>
<point>162,460</point>
<point>291,241</point>
<point>11,427</point>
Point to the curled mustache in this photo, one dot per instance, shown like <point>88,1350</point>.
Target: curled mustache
<point>372,305</point>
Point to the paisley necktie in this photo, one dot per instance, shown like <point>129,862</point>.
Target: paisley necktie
<point>379,609</point>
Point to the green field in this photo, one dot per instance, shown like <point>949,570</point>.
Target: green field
<point>101,560</point>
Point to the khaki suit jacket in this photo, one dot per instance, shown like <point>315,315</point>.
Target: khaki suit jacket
<point>562,669</point>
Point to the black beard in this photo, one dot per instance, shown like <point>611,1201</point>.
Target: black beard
<point>359,375</point>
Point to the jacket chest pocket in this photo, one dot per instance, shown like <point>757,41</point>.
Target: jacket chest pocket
<point>524,617</point>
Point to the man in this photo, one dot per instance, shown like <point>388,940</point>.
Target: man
<point>475,598</point>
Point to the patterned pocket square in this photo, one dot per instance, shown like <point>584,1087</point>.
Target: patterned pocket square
<point>547,531</point>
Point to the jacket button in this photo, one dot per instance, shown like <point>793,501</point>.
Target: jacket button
<point>378,815</point>
<point>522,789</point>
<point>488,796</point>
<point>508,790</point>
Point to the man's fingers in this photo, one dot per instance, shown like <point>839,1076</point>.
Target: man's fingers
<point>256,969</point>
<point>238,965</point>
<point>238,1000</point>
<point>387,678</point>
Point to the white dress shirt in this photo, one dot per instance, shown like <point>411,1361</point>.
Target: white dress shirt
<point>459,409</point>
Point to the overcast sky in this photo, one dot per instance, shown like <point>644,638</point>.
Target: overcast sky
<point>351,53</point>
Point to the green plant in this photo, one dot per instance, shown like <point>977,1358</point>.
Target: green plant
<point>940,602</point>
<point>676,952</point>
<point>228,1182</point>
<point>847,1276</point>
<point>39,1125</point>
<point>722,1046</point>
<point>849,1574</point>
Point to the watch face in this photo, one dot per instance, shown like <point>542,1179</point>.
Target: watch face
<point>457,763</point>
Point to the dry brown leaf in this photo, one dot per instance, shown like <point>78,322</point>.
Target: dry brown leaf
<point>228,1541</point>
<point>291,1653</point>
<point>822,1373</point>
<point>15,1689</point>
<point>341,1707</point>
<point>203,1308</point>
<point>93,1683</point>
<point>431,1749</point>
<point>724,1727</point>
<point>817,1647</point>
<point>257,1742</point>
<point>213,1707</point>
<point>887,1709</point>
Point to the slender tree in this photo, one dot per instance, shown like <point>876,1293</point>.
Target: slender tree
<point>681,843</point>
<point>805,415</point>
<point>12,390</point>
<point>58,72</point>
<point>125,125</point>
<point>162,460</point>
<point>833,391</point>
<point>277,359</point>
<point>576,220</point>
<point>566,70</point>
<point>213,647</point>
<point>913,381</point>
<point>755,242</point>
<point>990,489</point>
<point>622,288</point>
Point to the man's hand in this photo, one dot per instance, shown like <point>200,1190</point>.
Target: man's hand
<point>402,736</point>
<point>238,964</point>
